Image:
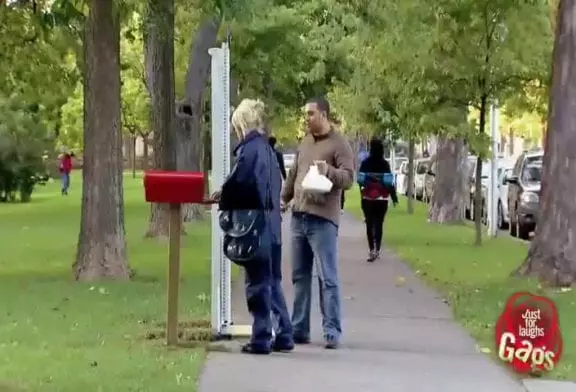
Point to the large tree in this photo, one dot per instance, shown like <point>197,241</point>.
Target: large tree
<point>190,124</point>
<point>481,56</point>
<point>159,62</point>
<point>552,254</point>
<point>101,242</point>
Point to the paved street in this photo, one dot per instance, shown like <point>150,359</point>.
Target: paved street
<point>398,336</point>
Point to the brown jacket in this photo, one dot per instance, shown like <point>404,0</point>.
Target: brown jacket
<point>335,150</point>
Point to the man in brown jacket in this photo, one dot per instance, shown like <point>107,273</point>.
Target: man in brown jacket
<point>314,224</point>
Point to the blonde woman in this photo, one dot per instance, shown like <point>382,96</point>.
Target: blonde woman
<point>251,195</point>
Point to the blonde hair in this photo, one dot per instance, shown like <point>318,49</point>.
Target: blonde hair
<point>250,114</point>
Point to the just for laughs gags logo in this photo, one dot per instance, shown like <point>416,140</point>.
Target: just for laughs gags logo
<point>528,334</point>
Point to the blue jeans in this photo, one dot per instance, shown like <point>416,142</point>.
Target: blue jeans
<point>265,298</point>
<point>65,181</point>
<point>315,238</point>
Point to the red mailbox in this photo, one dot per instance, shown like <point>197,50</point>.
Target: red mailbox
<point>175,187</point>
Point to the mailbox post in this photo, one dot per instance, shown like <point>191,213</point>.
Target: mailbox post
<point>174,188</point>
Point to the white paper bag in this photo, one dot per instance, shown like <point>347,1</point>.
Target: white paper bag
<point>315,182</point>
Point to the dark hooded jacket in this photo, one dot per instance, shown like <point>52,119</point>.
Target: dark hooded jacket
<point>255,182</point>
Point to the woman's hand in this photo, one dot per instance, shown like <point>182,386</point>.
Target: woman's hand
<point>214,198</point>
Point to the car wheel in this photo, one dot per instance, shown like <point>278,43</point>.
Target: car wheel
<point>524,231</point>
<point>502,225</point>
<point>513,226</point>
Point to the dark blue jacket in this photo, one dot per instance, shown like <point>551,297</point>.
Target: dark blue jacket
<point>255,182</point>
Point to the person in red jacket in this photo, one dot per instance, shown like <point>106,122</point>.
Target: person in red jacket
<point>65,169</point>
<point>376,187</point>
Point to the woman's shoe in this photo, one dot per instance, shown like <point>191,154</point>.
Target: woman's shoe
<point>283,348</point>
<point>248,348</point>
<point>371,256</point>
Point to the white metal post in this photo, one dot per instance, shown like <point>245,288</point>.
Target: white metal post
<point>220,116</point>
<point>215,184</point>
<point>224,158</point>
<point>493,180</point>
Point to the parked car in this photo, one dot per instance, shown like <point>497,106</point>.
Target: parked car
<point>486,168</point>
<point>395,166</point>
<point>402,179</point>
<point>471,175</point>
<point>398,162</point>
<point>289,160</point>
<point>503,219</point>
<point>524,187</point>
<point>421,171</point>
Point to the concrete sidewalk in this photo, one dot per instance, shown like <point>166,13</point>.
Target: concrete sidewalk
<point>396,338</point>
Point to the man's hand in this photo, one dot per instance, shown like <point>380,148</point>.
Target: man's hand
<point>283,206</point>
<point>322,167</point>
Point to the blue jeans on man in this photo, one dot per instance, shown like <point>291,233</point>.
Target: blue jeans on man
<point>267,305</point>
<point>315,238</point>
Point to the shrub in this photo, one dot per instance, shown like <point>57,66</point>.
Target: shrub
<point>23,141</point>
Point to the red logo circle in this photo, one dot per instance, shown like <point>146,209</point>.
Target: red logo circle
<point>528,334</point>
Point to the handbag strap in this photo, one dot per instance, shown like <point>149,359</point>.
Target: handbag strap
<point>269,182</point>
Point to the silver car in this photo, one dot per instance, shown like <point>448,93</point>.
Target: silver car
<point>289,161</point>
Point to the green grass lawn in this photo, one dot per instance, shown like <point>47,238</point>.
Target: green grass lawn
<point>62,336</point>
<point>475,280</point>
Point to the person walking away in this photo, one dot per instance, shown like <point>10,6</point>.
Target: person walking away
<point>279,157</point>
<point>375,190</point>
<point>65,168</point>
<point>314,224</point>
<point>255,183</point>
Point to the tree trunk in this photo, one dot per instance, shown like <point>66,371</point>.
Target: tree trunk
<point>207,159</point>
<point>101,243</point>
<point>552,254</point>
<point>159,60</point>
<point>189,155</point>
<point>478,175</point>
<point>410,190</point>
<point>191,111</point>
<point>449,197</point>
<point>511,139</point>
<point>133,163</point>
<point>145,152</point>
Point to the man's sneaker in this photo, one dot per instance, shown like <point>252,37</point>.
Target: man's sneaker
<point>330,342</point>
<point>377,254</point>
<point>371,256</point>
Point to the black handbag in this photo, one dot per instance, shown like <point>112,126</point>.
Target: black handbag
<point>244,235</point>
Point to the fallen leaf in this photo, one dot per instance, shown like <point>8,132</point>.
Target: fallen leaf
<point>400,280</point>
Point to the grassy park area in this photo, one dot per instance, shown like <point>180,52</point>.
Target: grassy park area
<point>62,336</point>
<point>475,280</point>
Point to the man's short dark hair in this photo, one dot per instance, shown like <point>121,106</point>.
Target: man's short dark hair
<point>322,104</point>
<point>272,141</point>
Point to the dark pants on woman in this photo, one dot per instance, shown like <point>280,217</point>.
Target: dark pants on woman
<point>342,200</point>
<point>374,214</point>
<point>267,304</point>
